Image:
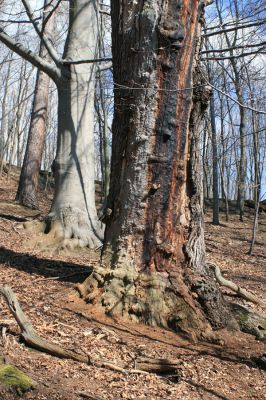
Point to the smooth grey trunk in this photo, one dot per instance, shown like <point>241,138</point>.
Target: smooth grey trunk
<point>105,145</point>
<point>242,128</point>
<point>204,161</point>
<point>222,164</point>
<point>73,213</point>
<point>242,160</point>
<point>103,119</point>
<point>256,157</point>
<point>255,224</point>
<point>23,90</point>
<point>215,178</point>
<point>17,118</point>
<point>3,144</point>
<point>29,177</point>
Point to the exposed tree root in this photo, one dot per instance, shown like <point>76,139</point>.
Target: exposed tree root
<point>32,339</point>
<point>233,286</point>
<point>250,322</point>
<point>152,298</point>
<point>88,396</point>
<point>57,237</point>
<point>34,226</point>
<point>148,298</point>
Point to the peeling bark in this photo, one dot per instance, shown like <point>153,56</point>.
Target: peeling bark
<point>153,266</point>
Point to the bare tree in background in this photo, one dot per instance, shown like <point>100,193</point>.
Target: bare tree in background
<point>29,177</point>
<point>73,216</point>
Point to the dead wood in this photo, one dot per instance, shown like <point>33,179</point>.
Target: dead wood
<point>88,396</point>
<point>157,365</point>
<point>32,338</point>
<point>28,333</point>
<point>233,286</point>
<point>54,278</point>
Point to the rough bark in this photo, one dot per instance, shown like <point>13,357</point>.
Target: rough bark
<point>29,177</point>
<point>153,267</point>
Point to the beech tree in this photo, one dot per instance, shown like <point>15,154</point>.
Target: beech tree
<point>153,262</point>
<point>73,212</point>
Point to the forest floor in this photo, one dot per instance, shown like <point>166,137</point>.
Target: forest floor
<point>43,283</point>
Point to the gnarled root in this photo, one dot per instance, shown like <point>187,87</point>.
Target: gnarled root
<point>233,286</point>
<point>250,321</point>
<point>34,226</point>
<point>148,298</point>
<point>61,236</point>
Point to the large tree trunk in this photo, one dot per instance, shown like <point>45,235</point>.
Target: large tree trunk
<point>29,177</point>
<point>153,267</point>
<point>73,213</point>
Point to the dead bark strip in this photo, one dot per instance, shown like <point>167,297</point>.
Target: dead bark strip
<point>233,286</point>
<point>32,338</point>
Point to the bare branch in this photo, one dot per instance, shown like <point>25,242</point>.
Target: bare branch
<point>233,57</point>
<point>245,46</point>
<point>13,21</point>
<point>49,47</point>
<point>50,14</point>
<point>233,99</point>
<point>105,12</point>
<point>235,28</point>
<point>90,61</point>
<point>30,56</point>
<point>105,66</point>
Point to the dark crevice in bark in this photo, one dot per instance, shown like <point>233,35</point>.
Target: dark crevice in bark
<point>153,262</point>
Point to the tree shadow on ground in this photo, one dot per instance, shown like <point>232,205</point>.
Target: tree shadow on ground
<point>61,270</point>
<point>11,217</point>
<point>202,388</point>
<point>181,341</point>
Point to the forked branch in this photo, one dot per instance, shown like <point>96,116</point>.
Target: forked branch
<point>49,47</point>
<point>30,56</point>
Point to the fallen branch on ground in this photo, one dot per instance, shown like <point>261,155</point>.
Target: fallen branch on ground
<point>54,278</point>
<point>157,365</point>
<point>233,286</point>
<point>88,396</point>
<point>32,338</point>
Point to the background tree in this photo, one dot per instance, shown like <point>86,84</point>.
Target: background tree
<point>235,48</point>
<point>73,212</point>
<point>29,177</point>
